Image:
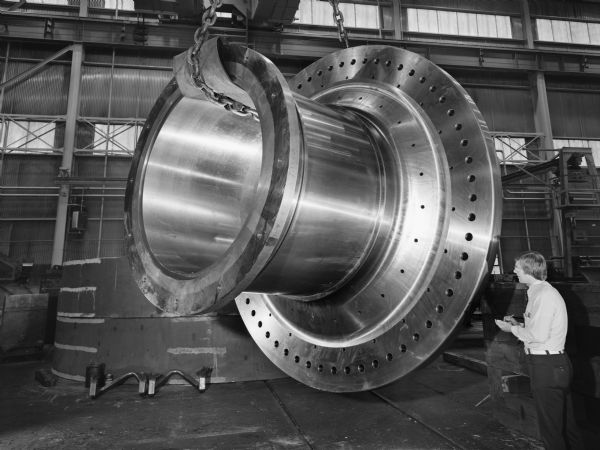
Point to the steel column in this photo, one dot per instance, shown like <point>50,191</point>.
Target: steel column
<point>542,120</point>
<point>543,125</point>
<point>67,156</point>
<point>4,133</point>
<point>83,8</point>
<point>527,28</point>
<point>397,8</point>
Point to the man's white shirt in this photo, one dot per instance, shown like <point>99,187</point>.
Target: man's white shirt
<point>545,320</point>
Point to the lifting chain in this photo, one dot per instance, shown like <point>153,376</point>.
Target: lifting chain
<point>338,18</point>
<point>200,35</point>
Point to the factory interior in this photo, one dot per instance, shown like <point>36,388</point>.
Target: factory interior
<point>262,224</point>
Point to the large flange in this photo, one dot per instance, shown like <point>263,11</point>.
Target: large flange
<point>440,249</point>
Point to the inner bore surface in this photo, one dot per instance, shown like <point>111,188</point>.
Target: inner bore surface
<point>398,265</point>
<point>337,211</point>
<point>199,184</point>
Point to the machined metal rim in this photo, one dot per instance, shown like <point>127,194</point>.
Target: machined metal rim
<point>464,243</point>
<point>216,286</point>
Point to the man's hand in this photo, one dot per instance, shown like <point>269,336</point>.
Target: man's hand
<point>504,326</point>
<point>512,320</point>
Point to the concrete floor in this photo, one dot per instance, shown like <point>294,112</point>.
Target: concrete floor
<point>433,408</point>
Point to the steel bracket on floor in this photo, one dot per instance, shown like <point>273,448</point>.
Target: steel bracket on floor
<point>155,382</point>
<point>149,383</point>
<point>96,391</point>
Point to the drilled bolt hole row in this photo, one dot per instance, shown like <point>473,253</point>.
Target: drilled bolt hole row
<point>471,178</point>
<point>442,99</point>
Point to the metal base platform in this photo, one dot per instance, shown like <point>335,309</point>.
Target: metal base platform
<point>103,318</point>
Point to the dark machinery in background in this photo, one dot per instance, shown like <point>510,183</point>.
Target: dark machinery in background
<point>352,215</point>
<point>21,303</point>
<point>572,196</point>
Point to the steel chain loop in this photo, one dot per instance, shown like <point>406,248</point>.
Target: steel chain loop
<point>200,35</point>
<point>338,18</point>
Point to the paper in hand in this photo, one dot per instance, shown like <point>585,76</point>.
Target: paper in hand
<point>504,326</point>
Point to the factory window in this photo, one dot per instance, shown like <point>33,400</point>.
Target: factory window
<point>568,31</point>
<point>49,2</point>
<point>114,138</point>
<point>317,12</point>
<point>30,136</point>
<point>123,5</point>
<point>585,143</point>
<point>510,150</point>
<point>458,23</point>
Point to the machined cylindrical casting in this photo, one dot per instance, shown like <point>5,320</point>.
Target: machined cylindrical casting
<point>353,218</point>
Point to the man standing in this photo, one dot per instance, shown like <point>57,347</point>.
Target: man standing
<point>550,371</point>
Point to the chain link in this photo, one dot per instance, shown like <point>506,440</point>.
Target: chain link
<point>338,18</point>
<point>200,36</point>
<point>209,17</point>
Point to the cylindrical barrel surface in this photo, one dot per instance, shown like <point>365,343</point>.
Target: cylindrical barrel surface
<point>338,208</point>
<point>198,191</point>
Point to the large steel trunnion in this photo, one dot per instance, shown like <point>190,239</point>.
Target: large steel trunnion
<point>352,223</point>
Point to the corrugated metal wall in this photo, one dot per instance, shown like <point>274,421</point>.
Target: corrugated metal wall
<point>118,88</point>
<point>574,106</point>
<point>28,210</point>
<point>575,114</point>
<point>505,109</point>
<point>129,92</point>
<point>42,94</point>
<point>504,99</point>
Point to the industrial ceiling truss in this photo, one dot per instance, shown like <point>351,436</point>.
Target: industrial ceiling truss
<point>305,47</point>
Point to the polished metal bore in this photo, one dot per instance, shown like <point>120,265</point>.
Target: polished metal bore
<point>352,223</point>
